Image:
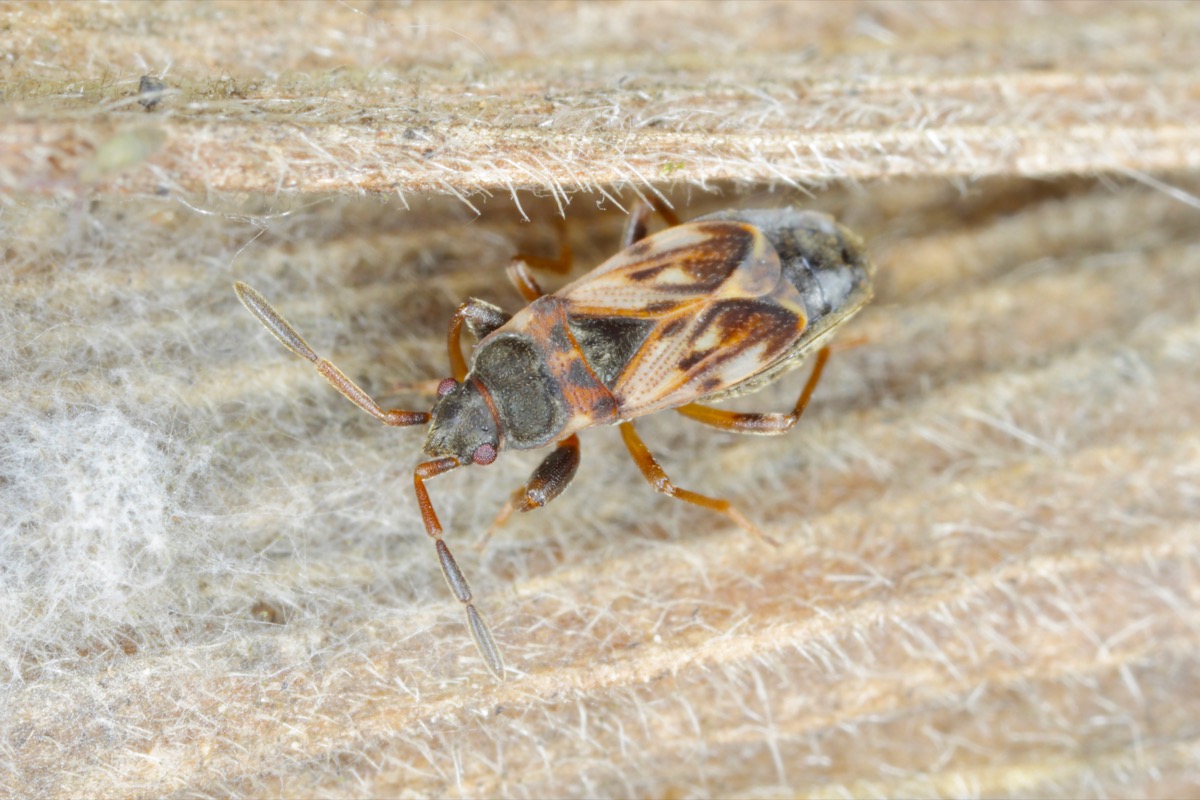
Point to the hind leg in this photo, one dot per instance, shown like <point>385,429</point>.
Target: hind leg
<point>770,423</point>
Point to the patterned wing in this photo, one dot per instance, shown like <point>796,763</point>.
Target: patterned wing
<point>675,268</point>
<point>690,311</point>
<point>724,344</point>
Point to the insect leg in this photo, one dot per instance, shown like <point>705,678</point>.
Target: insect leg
<point>257,305</point>
<point>481,318</point>
<point>455,579</point>
<point>546,483</point>
<point>658,479</point>
<point>771,423</point>
<point>635,228</point>
<point>518,268</point>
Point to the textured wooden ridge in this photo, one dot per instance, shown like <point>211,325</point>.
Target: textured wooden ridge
<point>472,98</point>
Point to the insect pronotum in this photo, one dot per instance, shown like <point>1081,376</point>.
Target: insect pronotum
<point>702,311</point>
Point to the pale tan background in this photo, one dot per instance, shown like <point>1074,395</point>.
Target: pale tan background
<point>214,577</point>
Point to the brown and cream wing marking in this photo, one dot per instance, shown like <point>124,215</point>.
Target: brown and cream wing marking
<point>726,343</point>
<point>677,267</point>
<point>687,312</point>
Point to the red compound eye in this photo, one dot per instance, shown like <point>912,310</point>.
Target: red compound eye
<point>446,386</point>
<point>484,455</point>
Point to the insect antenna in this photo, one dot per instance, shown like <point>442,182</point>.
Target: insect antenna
<point>480,633</point>
<point>257,305</point>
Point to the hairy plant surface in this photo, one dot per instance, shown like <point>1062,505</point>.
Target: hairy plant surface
<point>214,577</point>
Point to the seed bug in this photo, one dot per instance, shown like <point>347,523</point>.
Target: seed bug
<point>703,311</point>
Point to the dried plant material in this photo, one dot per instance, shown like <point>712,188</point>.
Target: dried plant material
<point>470,98</point>
<point>215,581</point>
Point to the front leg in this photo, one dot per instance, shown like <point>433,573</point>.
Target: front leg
<point>481,318</point>
<point>546,483</point>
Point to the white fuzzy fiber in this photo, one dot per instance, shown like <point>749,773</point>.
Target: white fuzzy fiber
<point>216,581</point>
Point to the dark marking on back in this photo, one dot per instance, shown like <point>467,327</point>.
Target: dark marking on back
<point>609,343</point>
<point>825,261</point>
<point>578,374</point>
<point>648,272</point>
<point>640,249</point>
<point>738,323</point>
<point>558,339</point>
<point>605,406</point>
<point>693,358</point>
<point>673,326</point>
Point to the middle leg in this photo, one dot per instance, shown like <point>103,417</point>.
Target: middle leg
<point>657,478</point>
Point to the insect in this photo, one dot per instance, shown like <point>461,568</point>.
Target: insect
<point>702,311</point>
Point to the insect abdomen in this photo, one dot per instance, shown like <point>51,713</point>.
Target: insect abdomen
<point>826,262</point>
